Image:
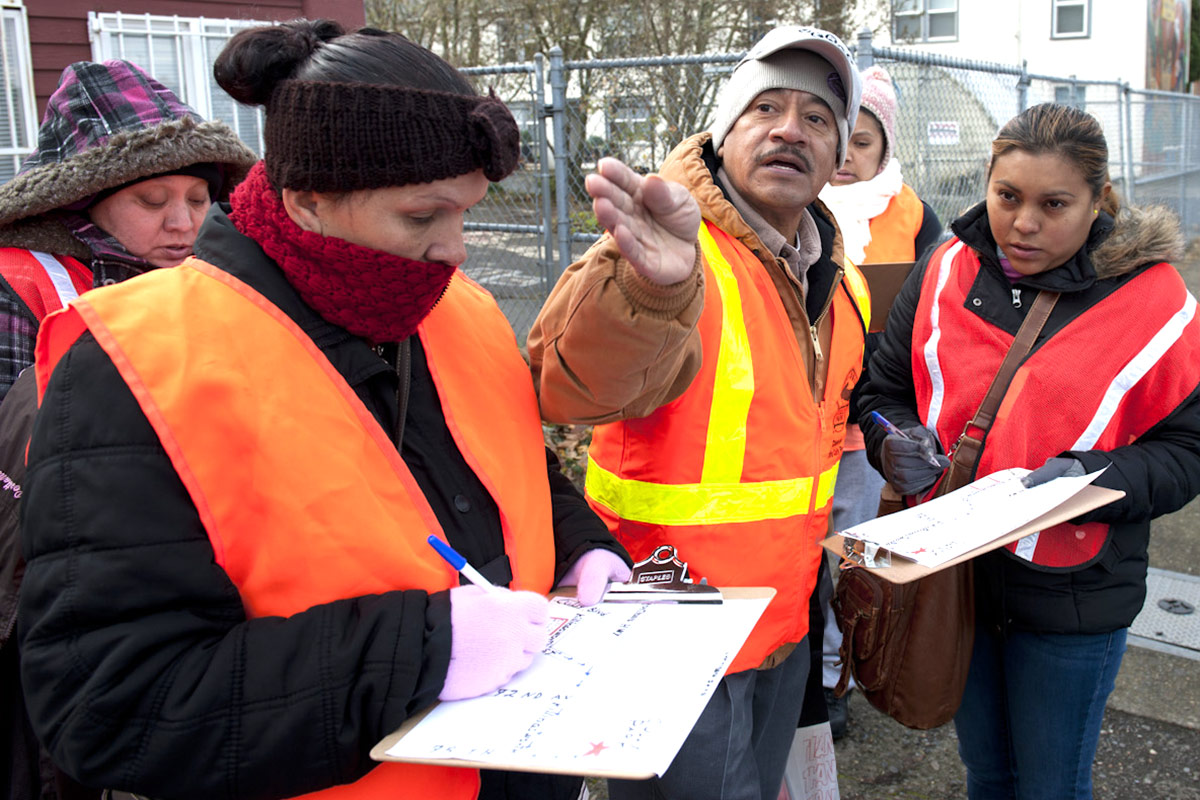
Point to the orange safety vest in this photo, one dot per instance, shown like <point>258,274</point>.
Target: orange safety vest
<point>332,511</point>
<point>737,474</point>
<point>894,232</point>
<point>44,282</point>
<point>1148,363</point>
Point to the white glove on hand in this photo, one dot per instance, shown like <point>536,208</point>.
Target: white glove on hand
<point>592,572</point>
<point>495,634</point>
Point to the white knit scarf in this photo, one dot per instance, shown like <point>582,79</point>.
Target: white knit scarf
<point>856,204</point>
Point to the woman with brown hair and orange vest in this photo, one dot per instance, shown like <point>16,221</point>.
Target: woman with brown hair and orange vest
<point>883,222</point>
<point>122,177</point>
<point>1112,383</point>
<point>237,462</point>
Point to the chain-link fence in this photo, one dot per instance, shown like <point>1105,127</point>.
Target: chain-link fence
<point>572,113</point>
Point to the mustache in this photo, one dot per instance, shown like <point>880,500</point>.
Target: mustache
<point>786,150</point>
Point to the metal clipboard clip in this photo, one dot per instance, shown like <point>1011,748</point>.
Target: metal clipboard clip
<point>859,553</point>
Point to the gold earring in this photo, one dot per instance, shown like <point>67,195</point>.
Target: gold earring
<point>1095,211</point>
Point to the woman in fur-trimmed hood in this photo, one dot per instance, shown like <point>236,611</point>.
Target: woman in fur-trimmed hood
<point>122,176</point>
<point>117,155</point>
<point>1111,384</point>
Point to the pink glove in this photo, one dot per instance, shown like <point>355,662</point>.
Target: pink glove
<point>591,573</point>
<point>495,633</point>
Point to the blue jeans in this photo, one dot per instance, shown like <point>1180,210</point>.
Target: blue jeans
<point>855,500</point>
<point>1030,717</point>
<point>739,747</point>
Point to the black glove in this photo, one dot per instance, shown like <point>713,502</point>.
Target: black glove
<point>913,462</point>
<point>1065,467</point>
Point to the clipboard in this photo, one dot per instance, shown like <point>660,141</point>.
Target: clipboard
<point>380,751</point>
<point>905,571</point>
<point>884,279</point>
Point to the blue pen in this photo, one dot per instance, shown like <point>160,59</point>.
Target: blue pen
<point>884,423</point>
<point>456,560</point>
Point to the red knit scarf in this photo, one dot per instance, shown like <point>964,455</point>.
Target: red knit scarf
<point>370,293</point>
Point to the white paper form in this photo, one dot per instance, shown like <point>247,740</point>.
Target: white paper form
<point>617,690</point>
<point>942,529</point>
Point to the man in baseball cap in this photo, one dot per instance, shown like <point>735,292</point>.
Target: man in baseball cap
<point>712,336</point>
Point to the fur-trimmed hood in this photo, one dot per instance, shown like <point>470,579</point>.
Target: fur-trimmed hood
<point>1144,235</point>
<point>105,126</point>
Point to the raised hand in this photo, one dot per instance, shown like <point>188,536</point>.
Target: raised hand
<point>653,221</point>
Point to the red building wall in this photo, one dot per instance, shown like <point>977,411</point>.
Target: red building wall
<point>58,33</point>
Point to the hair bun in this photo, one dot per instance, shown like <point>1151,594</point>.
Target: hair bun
<point>255,60</point>
<point>495,137</point>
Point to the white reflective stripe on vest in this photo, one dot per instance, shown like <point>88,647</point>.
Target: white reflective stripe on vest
<point>1134,371</point>
<point>1126,379</point>
<point>930,350</point>
<point>705,503</point>
<point>58,276</point>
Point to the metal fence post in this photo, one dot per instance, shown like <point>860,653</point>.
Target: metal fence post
<point>1184,174</point>
<point>1120,141</point>
<point>866,54</point>
<point>543,110</point>
<point>1130,180</point>
<point>558,111</point>
<point>1023,87</point>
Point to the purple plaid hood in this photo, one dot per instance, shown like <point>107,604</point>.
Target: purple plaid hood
<point>94,101</point>
<point>106,125</point>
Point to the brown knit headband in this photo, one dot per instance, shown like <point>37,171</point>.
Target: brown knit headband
<point>338,137</point>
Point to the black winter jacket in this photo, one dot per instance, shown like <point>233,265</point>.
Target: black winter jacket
<point>26,771</point>
<point>1159,473</point>
<point>141,670</point>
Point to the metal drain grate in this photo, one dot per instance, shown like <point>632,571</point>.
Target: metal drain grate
<point>1170,619</point>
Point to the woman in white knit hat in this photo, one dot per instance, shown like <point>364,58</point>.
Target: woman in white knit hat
<point>882,221</point>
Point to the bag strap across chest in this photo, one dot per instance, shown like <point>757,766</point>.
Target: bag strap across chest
<point>964,453</point>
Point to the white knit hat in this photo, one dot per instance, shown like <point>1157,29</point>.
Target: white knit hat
<point>793,57</point>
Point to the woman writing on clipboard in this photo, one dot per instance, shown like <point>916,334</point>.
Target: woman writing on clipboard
<point>1111,382</point>
<point>237,462</point>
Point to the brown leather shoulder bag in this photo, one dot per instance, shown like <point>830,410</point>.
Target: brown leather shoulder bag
<point>908,645</point>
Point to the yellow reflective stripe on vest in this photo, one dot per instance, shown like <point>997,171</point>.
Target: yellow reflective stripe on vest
<point>859,291</point>
<point>706,503</point>
<point>825,485</point>
<point>725,447</point>
<point>720,497</point>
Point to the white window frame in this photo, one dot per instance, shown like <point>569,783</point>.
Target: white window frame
<point>110,32</point>
<point>1071,94</point>
<point>20,103</point>
<point>923,12</point>
<point>1086,5</point>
